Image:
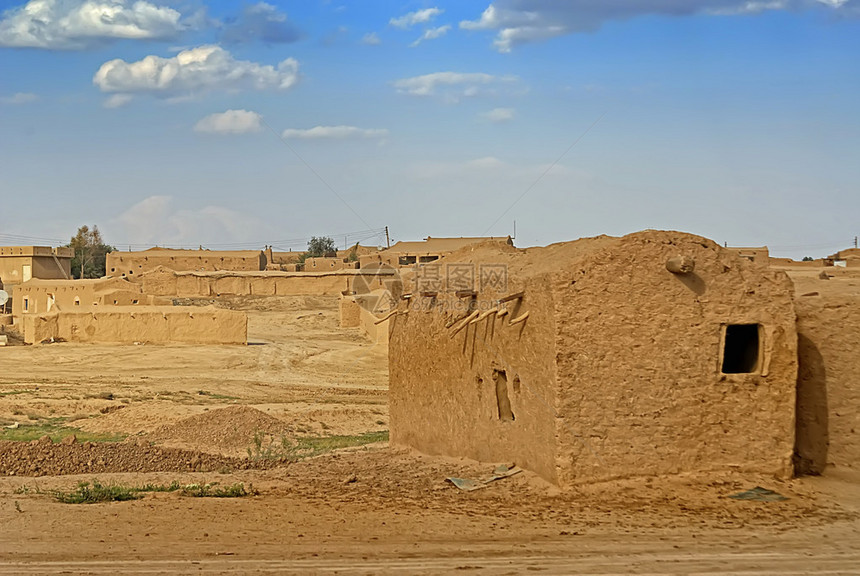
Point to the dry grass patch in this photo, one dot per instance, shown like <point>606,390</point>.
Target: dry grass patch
<point>56,429</point>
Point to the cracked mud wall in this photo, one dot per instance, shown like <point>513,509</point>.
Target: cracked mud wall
<point>444,391</point>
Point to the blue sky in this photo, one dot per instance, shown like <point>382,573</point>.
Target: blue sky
<point>239,124</point>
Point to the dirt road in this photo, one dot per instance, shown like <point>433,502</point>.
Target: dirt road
<point>381,510</point>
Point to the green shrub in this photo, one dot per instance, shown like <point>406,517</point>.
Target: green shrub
<point>87,493</point>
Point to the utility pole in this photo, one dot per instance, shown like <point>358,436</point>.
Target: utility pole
<point>387,238</point>
<point>855,241</point>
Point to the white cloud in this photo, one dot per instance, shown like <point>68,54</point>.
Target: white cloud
<point>230,122</point>
<point>19,98</point>
<point>202,69</point>
<point>117,100</point>
<point>452,85</point>
<point>489,20</point>
<point>498,115</point>
<point>78,24</point>
<point>155,220</point>
<point>334,133</point>
<point>432,34</point>
<point>413,18</point>
<point>371,39</point>
<point>518,22</point>
<point>515,26</point>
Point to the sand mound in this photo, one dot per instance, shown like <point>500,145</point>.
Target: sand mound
<point>135,419</point>
<point>45,458</point>
<point>229,431</point>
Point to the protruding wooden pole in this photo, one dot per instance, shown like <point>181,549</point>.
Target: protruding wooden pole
<point>519,319</point>
<point>387,316</point>
<point>484,315</point>
<point>465,323</point>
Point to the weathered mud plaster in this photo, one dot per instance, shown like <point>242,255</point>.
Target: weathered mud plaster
<point>597,362</point>
<point>828,396</point>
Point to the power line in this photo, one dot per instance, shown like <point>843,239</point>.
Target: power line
<point>544,173</point>
<point>315,173</point>
<point>281,245</point>
<point>28,239</point>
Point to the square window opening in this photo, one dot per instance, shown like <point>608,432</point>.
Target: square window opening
<point>742,349</point>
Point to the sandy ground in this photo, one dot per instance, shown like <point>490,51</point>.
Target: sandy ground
<point>389,511</point>
<point>368,509</point>
<point>299,366</point>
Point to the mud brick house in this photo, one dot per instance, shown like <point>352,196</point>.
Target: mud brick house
<point>114,310</point>
<point>42,296</point>
<point>405,254</point>
<point>844,258</point>
<point>21,263</point>
<point>659,352</point>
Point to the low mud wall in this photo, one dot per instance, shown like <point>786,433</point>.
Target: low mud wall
<point>204,285</point>
<point>376,332</point>
<point>356,312</point>
<point>350,312</point>
<point>152,325</point>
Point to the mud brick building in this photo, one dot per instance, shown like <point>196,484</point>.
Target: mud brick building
<point>659,352</point>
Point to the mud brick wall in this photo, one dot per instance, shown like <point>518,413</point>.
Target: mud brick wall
<point>133,263</point>
<point>640,351</point>
<point>156,325</point>
<point>828,392</point>
<point>163,282</point>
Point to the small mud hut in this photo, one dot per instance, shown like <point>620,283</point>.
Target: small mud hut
<point>655,353</point>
